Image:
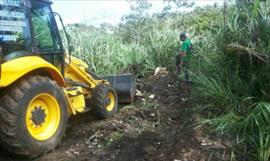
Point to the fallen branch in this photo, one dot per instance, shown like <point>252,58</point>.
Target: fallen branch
<point>239,49</point>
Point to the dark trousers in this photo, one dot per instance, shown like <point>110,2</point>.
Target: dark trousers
<point>184,67</point>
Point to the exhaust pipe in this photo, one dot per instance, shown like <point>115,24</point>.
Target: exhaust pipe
<point>125,86</point>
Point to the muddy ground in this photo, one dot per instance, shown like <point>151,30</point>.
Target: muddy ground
<point>160,126</point>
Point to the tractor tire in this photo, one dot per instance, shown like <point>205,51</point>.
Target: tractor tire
<point>104,101</point>
<point>33,117</point>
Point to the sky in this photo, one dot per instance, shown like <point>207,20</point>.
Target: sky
<point>96,12</point>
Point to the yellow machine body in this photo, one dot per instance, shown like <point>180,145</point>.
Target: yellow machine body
<point>40,84</point>
<point>17,68</point>
<point>79,84</point>
<point>75,99</point>
<point>75,72</point>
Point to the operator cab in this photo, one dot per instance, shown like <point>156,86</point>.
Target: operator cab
<point>28,27</point>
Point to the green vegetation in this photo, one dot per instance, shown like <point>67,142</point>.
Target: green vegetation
<point>230,62</point>
<point>236,88</point>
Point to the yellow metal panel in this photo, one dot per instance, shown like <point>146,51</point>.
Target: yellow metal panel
<point>76,71</point>
<point>76,99</point>
<point>16,68</point>
<point>78,62</point>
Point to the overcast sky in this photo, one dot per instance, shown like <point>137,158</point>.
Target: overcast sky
<point>96,12</point>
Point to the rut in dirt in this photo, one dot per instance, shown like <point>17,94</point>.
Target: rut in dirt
<point>159,126</point>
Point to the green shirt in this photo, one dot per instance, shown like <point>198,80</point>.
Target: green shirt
<point>185,48</point>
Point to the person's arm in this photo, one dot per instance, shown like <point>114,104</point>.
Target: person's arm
<point>183,53</point>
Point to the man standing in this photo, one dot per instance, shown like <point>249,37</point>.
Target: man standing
<point>182,60</point>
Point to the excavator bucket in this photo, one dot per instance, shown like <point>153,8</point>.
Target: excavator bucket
<point>125,86</point>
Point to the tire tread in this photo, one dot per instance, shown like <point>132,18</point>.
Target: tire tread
<point>9,113</point>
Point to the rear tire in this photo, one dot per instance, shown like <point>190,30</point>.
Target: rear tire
<point>33,117</point>
<point>104,101</point>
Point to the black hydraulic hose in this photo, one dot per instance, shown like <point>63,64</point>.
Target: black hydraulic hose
<point>93,74</point>
<point>1,55</point>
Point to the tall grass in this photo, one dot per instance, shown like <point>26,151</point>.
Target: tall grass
<point>237,93</point>
<point>107,54</point>
<point>139,44</point>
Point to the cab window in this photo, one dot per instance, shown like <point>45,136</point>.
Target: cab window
<point>43,28</point>
<point>15,36</point>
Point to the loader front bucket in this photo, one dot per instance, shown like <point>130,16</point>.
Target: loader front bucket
<point>125,86</point>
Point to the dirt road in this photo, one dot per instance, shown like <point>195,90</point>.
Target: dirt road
<point>159,126</point>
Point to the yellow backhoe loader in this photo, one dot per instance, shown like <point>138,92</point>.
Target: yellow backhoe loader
<point>41,85</point>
